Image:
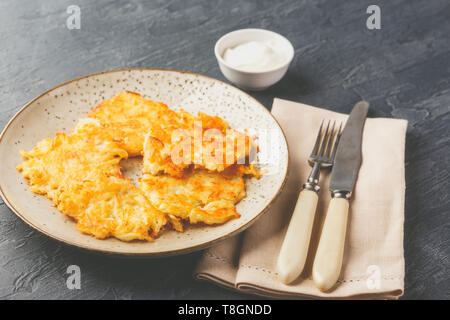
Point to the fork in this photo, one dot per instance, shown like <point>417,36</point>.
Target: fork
<point>294,249</point>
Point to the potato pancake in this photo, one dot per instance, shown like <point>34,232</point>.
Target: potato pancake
<point>182,181</point>
<point>130,117</point>
<point>80,173</point>
<point>175,140</point>
<point>200,196</point>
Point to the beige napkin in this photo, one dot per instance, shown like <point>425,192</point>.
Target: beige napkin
<point>373,265</point>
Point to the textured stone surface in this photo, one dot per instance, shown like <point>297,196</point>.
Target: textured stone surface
<point>402,69</point>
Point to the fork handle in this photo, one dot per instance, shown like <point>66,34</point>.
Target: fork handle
<point>328,260</point>
<point>296,241</point>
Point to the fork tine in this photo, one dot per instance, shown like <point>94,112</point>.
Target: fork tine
<point>316,145</point>
<point>338,137</point>
<point>324,140</point>
<point>331,139</point>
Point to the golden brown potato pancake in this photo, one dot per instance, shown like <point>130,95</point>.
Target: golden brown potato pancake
<point>199,196</point>
<point>80,173</point>
<point>175,140</point>
<point>130,117</point>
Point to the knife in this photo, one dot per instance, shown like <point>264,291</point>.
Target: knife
<point>328,259</point>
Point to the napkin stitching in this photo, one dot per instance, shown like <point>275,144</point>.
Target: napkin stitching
<point>309,278</point>
<point>364,279</point>
<point>223,260</point>
<point>258,268</point>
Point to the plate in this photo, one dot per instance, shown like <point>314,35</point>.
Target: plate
<point>58,110</point>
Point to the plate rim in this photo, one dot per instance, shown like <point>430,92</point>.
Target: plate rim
<point>165,253</point>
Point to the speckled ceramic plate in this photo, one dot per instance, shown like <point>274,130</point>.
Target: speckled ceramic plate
<point>58,110</point>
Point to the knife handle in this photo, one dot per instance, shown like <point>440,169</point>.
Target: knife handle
<point>296,241</point>
<point>328,260</point>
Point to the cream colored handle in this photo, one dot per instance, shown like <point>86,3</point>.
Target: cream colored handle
<point>296,241</point>
<point>328,260</point>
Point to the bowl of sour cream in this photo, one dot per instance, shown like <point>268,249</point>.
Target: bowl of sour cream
<point>253,59</point>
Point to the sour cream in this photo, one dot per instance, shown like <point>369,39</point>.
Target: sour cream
<point>254,56</point>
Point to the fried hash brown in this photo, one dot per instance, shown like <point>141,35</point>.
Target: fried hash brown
<point>200,196</point>
<point>80,173</point>
<point>182,181</point>
<point>171,137</point>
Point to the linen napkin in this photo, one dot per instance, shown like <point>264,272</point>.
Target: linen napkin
<point>373,264</point>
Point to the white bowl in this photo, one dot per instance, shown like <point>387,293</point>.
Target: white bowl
<point>253,80</point>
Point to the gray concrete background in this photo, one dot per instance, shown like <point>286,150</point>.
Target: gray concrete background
<point>402,69</point>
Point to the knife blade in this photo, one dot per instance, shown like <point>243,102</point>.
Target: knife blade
<point>348,155</point>
<point>330,251</point>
